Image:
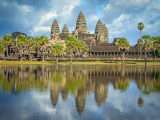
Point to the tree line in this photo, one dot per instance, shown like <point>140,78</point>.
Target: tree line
<point>40,42</point>
<point>146,42</point>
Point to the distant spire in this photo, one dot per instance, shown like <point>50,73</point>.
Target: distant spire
<point>99,27</point>
<point>55,27</point>
<point>81,22</point>
<point>65,30</point>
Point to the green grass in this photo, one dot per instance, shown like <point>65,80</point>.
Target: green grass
<point>78,62</point>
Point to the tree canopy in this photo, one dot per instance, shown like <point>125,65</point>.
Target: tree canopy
<point>147,42</point>
<point>140,26</point>
<point>2,49</point>
<point>123,44</point>
<point>70,41</point>
<point>57,49</point>
<point>21,41</point>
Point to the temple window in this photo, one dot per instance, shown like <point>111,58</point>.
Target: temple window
<point>99,53</point>
<point>95,53</point>
<point>108,53</point>
<point>92,53</point>
<point>105,53</point>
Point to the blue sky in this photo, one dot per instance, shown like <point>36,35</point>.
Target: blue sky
<point>35,17</point>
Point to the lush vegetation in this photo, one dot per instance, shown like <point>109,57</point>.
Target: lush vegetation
<point>57,50</point>
<point>123,45</point>
<point>7,41</point>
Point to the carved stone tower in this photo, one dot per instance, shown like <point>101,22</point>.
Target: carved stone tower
<point>106,39</point>
<point>81,24</point>
<point>65,30</point>
<point>54,30</point>
<point>101,32</point>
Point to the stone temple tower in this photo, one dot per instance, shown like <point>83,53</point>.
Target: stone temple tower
<point>54,30</point>
<point>106,39</point>
<point>65,30</point>
<point>101,32</point>
<point>81,24</point>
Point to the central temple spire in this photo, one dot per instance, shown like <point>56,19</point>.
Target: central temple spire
<point>81,24</point>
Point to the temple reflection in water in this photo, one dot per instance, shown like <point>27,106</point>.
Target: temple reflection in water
<point>79,81</point>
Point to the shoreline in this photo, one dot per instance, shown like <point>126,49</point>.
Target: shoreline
<point>2,62</point>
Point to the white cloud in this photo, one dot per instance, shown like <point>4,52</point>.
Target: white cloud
<point>92,18</point>
<point>48,16</point>
<point>24,8</point>
<point>67,9</point>
<point>39,30</point>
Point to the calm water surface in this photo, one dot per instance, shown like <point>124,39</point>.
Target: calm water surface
<point>64,92</point>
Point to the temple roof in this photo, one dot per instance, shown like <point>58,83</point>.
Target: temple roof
<point>99,27</point>
<point>55,27</point>
<point>81,22</point>
<point>65,30</point>
<point>105,30</point>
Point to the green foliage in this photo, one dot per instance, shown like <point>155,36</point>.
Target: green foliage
<point>38,45</point>
<point>147,42</point>
<point>43,40</point>
<point>21,41</point>
<point>2,49</point>
<point>140,26</point>
<point>123,44</point>
<point>157,52</point>
<point>70,42</point>
<point>7,40</point>
<point>31,44</point>
<point>81,46</point>
<point>57,50</point>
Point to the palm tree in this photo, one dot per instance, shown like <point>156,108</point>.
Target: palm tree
<point>147,44</point>
<point>156,44</point>
<point>140,27</point>
<point>7,40</point>
<point>57,50</point>
<point>2,49</point>
<point>70,42</point>
<point>123,45</point>
<point>43,40</point>
<point>81,46</point>
<point>21,42</point>
<point>30,45</point>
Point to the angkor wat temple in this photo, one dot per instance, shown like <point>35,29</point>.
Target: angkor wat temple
<point>98,43</point>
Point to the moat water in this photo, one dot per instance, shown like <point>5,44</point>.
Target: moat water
<point>87,92</point>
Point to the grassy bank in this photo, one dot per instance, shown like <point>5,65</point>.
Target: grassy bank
<point>3,62</point>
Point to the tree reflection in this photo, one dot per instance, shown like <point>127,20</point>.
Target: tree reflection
<point>122,84</point>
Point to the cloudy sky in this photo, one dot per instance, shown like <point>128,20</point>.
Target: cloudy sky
<point>35,17</point>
